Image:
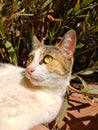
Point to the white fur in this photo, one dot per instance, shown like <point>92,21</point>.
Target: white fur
<point>25,104</point>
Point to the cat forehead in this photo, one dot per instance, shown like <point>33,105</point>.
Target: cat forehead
<point>55,52</point>
<point>51,49</point>
<point>45,50</point>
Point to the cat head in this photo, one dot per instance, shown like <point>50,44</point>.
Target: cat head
<point>50,66</point>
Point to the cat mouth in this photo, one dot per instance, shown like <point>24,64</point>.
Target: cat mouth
<point>30,77</point>
<point>33,79</point>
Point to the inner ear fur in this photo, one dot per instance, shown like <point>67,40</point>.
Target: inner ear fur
<point>68,43</point>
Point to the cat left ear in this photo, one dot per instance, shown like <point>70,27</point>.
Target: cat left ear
<point>68,43</point>
<point>36,43</point>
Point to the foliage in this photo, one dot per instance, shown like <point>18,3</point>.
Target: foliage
<point>49,20</point>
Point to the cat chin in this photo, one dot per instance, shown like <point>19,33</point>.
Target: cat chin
<point>32,80</point>
<point>29,77</point>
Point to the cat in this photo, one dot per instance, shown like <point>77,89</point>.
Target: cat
<point>33,96</point>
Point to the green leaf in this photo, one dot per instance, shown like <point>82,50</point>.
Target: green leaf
<point>46,4</point>
<point>2,33</point>
<point>2,5</point>
<point>83,82</point>
<point>11,52</point>
<point>90,70</point>
<point>81,16</point>
<point>86,2</point>
<point>79,46</point>
<point>90,6</point>
<point>77,6</point>
<point>87,72</point>
<point>94,29</point>
<point>92,91</point>
<point>54,31</point>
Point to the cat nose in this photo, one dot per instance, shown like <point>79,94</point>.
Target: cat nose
<point>30,70</point>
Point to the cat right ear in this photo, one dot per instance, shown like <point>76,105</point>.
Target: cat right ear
<point>68,43</point>
<point>36,43</point>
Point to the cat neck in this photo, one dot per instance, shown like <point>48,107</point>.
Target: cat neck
<point>56,88</point>
<point>59,87</point>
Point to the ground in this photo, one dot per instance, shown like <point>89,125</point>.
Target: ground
<point>82,114</point>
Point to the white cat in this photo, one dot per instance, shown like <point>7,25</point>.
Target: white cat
<point>33,96</point>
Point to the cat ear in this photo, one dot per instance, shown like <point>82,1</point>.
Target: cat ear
<point>36,43</point>
<point>68,43</point>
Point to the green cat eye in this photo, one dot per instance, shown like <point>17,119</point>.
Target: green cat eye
<point>48,59</point>
<point>30,59</point>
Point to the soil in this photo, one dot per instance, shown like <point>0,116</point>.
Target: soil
<point>82,114</point>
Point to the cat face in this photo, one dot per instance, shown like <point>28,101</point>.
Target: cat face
<point>51,64</point>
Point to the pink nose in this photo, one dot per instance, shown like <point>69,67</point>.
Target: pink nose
<point>30,70</point>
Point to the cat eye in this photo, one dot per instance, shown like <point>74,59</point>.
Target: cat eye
<point>30,59</point>
<point>48,59</point>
